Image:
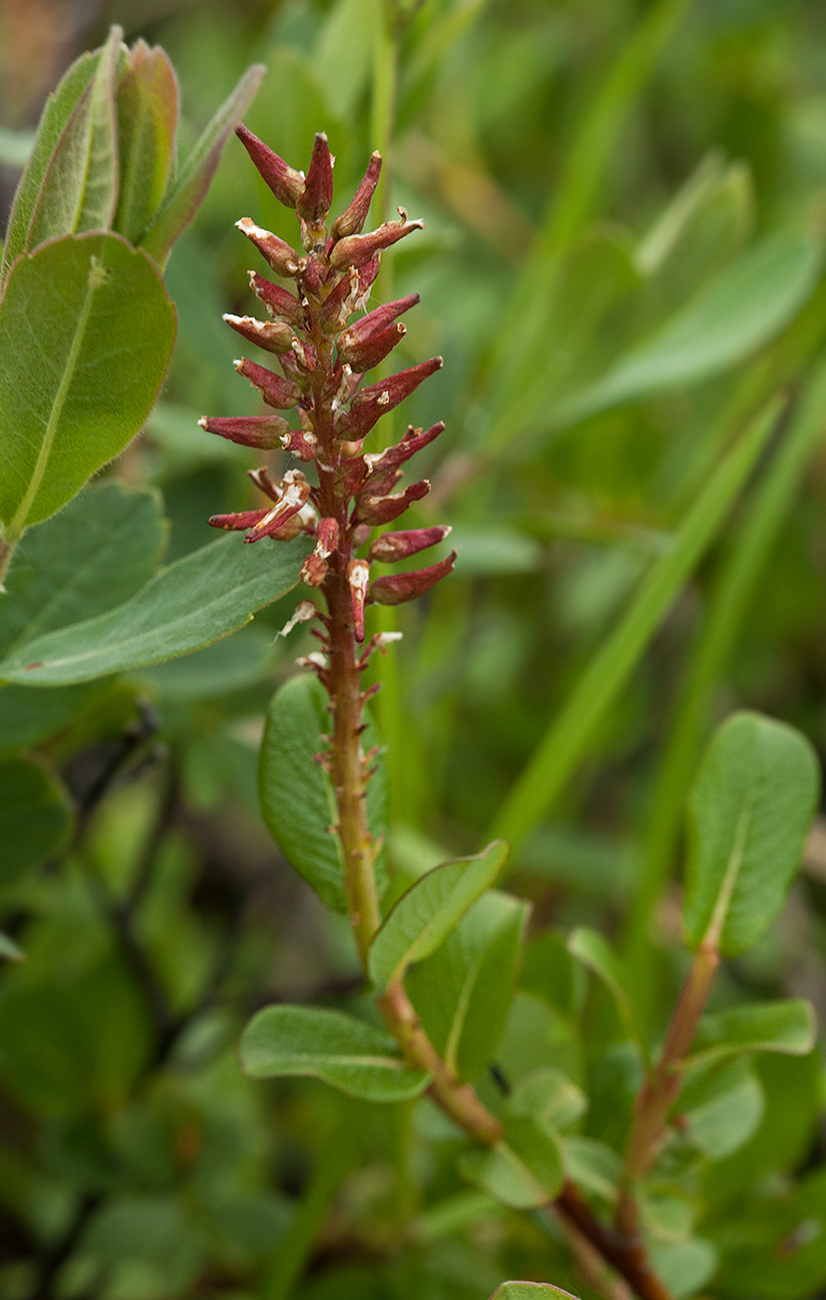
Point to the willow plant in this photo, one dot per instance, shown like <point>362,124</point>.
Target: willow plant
<point>757,774</point>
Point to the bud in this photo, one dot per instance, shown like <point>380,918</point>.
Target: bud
<point>301,443</point>
<point>390,547</point>
<point>266,432</point>
<point>277,392</point>
<point>375,321</point>
<point>381,510</point>
<point>285,182</point>
<point>352,219</point>
<point>379,463</point>
<point>358,576</point>
<point>317,194</point>
<point>278,300</point>
<point>356,250</point>
<point>372,351</point>
<point>282,258</point>
<point>274,336</point>
<point>371,403</point>
<point>400,587</point>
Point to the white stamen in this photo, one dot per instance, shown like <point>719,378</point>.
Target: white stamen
<point>314,660</point>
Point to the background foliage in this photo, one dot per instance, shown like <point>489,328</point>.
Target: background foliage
<point>622,267</point>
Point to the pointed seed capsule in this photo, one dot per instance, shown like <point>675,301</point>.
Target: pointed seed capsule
<point>286,183</point>
<point>397,588</point>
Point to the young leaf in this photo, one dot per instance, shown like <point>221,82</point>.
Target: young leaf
<point>463,991</point>
<point>79,189</point>
<point>530,1291</point>
<point>87,559</point>
<point>195,601</point>
<point>744,307</point>
<point>593,1166</point>
<point>73,394</point>
<point>346,1053</point>
<point>597,954</point>
<point>147,108</point>
<point>297,798</point>
<point>549,1098</point>
<point>184,198</point>
<point>524,1171</point>
<point>60,105</point>
<point>749,812</point>
<point>432,907</point>
<point>35,816</point>
<point>788,1027</point>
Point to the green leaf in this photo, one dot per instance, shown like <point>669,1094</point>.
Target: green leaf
<point>9,949</point>
<point>147,109</point>
<point>35,817</point>
<point>684,1267</point>
<point>530,1291</point>
<point>195,601</point>
<point>743,308</point>
<point>86,330</point>
<point>463,991</point>
<point>568,736</point>
<point>524,1171</point>
<point>60,105</point>
<point>720,1111</point>
<point>347,1053</point>
<point>89,558</point>
<point>80,185</point>
<point>549,1097</point>
<point>29,717</point>
<point>297,798</point>
<point>185,196</point>
<point>593,1166</point>
<point>750,810</point>
<point>788,1027</point>
<point>597,954</point>
<point>423,917</point>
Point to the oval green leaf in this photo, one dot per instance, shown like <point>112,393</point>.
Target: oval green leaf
<point>594,951</point>
<point>350,1055</point>
<point>423,917</point>
<point>463,991</point>
<point>297,799</point>
<point>788,1027</point>
<point>749,813</point>
<point>73,394</point>
<point>195,601</point>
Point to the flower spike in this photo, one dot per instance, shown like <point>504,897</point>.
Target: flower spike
<point>326,334</point>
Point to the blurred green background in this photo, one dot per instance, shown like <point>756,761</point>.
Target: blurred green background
<point>625,207</point>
